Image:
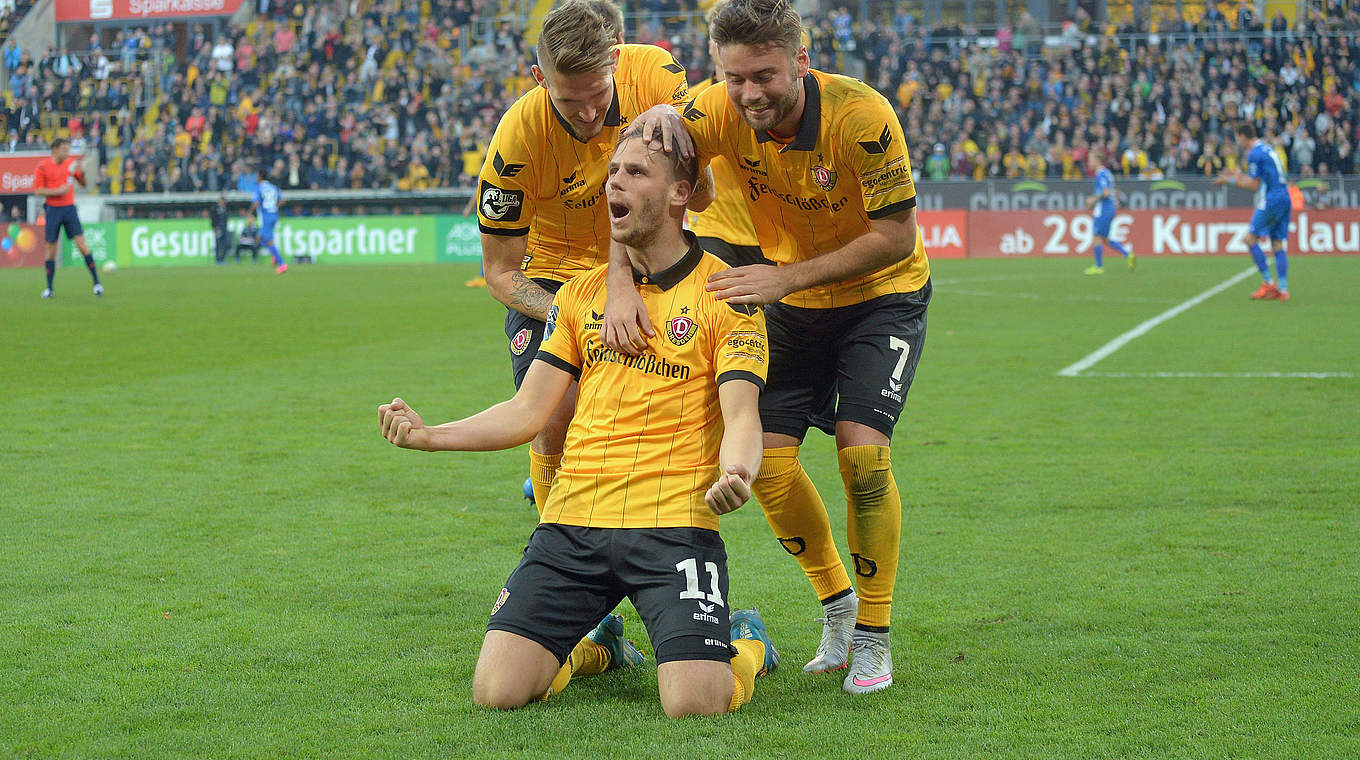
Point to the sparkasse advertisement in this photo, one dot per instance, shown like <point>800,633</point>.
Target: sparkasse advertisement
<point>108,10</point>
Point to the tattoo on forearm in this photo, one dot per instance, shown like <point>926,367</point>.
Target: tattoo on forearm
<point>529,298</point>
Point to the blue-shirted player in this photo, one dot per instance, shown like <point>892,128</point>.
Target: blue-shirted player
<point>266,202</point>
<point>1265,174</point>
<point>1102,216</point>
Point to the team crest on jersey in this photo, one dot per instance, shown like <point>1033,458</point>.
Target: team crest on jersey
<point>500,600</point>
<point>520,342</point>
<point>824,177</point>
<point>680,330</point>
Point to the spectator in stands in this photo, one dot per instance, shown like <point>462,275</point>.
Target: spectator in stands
<point>1301,150</point>
<point>20,82</point>
<point>223,55</point>
<point>356,91</point>
<point>67,66</point>
<point>937,164</point>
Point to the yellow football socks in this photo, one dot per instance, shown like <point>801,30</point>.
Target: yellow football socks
<point>796,513</point>
<point>543,471</point>
<point>750,656</point>
<point>874,517</point>
<point>587,659</point>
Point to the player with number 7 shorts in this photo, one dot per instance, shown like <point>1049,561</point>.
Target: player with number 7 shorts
<point>824,170</point>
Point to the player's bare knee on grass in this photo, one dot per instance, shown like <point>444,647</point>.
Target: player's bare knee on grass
<point>512,671</point>
<point>695,687</point>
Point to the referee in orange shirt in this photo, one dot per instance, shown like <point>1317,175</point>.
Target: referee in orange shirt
<point>55,179</point>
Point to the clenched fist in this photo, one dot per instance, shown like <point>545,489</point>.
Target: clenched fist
<point>731,490</point>
<point>402,426</point>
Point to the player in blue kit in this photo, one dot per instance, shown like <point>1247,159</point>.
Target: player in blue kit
<point>1270,220</point>
<point>1102,216</point>
<point>266,201</point>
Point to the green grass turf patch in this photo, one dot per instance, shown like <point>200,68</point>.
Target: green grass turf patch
<point>210,552</point>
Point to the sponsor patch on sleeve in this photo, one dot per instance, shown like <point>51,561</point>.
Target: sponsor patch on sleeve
<point>747,344</point>
<point>499,204</point>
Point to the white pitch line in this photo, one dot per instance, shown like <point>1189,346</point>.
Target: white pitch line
<point>1303,375</point>
<point>1090,360</point>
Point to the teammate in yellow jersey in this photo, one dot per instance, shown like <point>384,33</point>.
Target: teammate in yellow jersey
<point>824,170</point>
<point>540,197</point>
<point>724,228</point>
<point>660,446</point>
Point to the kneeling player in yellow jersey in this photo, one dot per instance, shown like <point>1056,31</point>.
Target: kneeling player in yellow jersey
<point>660,445</point>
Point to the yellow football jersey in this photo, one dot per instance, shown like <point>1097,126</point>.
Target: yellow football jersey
<point>540,180</point>
<point>642,449</point>
<point>846,166</point>
<point>727,218</point>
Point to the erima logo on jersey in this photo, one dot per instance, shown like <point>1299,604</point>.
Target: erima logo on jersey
<point>753,166</point>
<point>691,113</point>
<point>680,330</point>
<point>500,205</point>
<point>503,169</point>
<point>879,146</point>
<point>573,182</point>
<point>596,321</point>
<point>520,342</point>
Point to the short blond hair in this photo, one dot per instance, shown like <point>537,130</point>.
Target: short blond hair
<point>612,14</point>
<point>577,38</point>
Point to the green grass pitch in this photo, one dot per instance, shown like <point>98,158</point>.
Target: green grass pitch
<point>208,550</point>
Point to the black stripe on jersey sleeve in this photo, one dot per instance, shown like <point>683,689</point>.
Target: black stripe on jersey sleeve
<point>893,208</point>
<point>559,362</point>
<point>503,233</point>
<point>735,374</point>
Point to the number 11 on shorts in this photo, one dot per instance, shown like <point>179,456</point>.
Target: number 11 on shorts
<point>690,568</point>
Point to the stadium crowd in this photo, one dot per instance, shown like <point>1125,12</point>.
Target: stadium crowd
<point>405,94</point>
